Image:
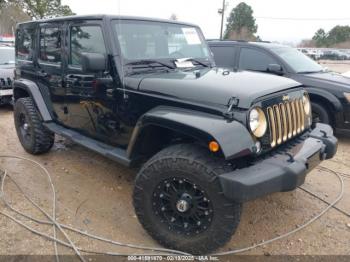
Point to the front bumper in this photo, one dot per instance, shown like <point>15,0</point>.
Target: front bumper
<point>6,92</point>
<point>284,170</point>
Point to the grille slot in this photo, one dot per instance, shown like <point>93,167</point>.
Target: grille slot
<point>5,83</point>
<point>286,120</point>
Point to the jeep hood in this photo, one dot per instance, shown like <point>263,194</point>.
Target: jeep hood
<point>211,86</point>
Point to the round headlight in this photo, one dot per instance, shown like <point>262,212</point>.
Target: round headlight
<point>307,104</point>
<point>257,122</point>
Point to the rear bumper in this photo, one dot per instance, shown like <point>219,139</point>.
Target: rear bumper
<point>283,171</point>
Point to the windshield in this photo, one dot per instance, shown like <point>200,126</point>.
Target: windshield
<point>299,62</point>
<point>142,40</point>
<point>7,56</point>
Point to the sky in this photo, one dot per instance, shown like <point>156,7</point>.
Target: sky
<point>313,14</point>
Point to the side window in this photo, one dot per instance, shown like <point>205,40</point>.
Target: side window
<point>224,55</point>
<point>50,45</point>
<point>25,44</point>
<point>251,59</point>
<point>85,39</point>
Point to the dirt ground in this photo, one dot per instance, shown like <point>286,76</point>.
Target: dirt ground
<point>94,195</point>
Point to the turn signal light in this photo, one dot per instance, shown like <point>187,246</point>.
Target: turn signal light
<point>214,146</point>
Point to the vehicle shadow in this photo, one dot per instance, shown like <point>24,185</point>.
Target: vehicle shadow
<point>6,108</point>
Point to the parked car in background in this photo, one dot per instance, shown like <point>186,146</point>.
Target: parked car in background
<point>7,66</point>
<point>329,91</point>
<point>314,53</point>
<point>335,55</point>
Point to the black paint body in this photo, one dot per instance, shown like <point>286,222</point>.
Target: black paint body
<point>130,117</point>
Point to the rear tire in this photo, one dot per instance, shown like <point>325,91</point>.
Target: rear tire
<point>34,137</point>
<point>320,114</point>
<point>179,201</point>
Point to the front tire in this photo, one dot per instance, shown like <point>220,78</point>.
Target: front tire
<point>179,201</point>
<point>34,137</point>
<point>319,114</point>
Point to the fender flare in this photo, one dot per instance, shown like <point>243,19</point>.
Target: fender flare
<point>33,90</point>
<point>326,95</point>
<point>233,137</point>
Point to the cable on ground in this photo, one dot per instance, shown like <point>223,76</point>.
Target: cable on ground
<point>52,220</point>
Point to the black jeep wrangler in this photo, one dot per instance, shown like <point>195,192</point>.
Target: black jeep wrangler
<point>146,93</point>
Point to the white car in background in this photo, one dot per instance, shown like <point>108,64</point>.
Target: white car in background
<point>7,66</point>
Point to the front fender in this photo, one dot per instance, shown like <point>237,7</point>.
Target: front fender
<point>333,100</point>
<point>33,91</point>
<point>233,138</point>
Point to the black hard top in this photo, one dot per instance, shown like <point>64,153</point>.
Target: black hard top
<point>107,17</point>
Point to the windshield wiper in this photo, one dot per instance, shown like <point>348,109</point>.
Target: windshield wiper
<point>148,71</point>
<point>150,62</point>
<point>191,59</point>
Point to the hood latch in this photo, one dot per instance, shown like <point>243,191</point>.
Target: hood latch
<point>232,103</point>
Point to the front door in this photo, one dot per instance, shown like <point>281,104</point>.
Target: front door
<point>90,104</point>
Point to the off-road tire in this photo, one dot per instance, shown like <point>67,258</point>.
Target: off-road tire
<point>186,161</point>
<point>320,111</point>
<point>40,140</point>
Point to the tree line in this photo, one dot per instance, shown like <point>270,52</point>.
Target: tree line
<point>338,36</point>
<point>15,11</point>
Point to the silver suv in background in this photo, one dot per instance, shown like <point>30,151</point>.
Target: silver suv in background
<point>7,66</point>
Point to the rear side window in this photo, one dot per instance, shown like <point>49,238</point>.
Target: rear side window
<point>224,55</point>
<point>85,39</point>
<point>251,59</point>
<point>25,44</point>
<point>50,45</point>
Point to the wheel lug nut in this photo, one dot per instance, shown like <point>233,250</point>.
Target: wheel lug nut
<point>163,208</point>
<point>199,223</point>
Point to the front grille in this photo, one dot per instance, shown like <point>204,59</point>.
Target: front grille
<point>5,83</point>
<point>286,120</point>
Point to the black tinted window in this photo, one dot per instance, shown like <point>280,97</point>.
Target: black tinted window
<point>251,59</point>
<point>224,55</point>
<point>85,39</point>
<point>50,45</point>
<point>25,44</point>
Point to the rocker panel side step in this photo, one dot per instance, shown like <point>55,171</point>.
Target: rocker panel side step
<point>114,153</point>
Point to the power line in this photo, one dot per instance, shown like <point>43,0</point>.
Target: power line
<point>304,19</point>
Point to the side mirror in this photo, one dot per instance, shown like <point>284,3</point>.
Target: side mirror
<point>275,69</point>
<point>93,62</point>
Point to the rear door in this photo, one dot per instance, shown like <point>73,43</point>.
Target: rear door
<point>49,73</point>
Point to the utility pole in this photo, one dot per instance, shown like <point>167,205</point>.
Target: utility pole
<point>222,12</point>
